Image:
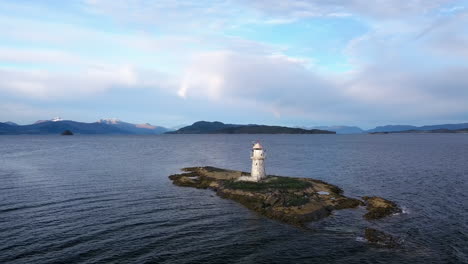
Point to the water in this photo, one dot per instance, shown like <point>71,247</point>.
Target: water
<point>107,199</point>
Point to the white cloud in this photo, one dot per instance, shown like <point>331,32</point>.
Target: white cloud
<point>18,112</point>
<point>403,71</point>
<point>385,87</point>
<point>15,55</point>
<point>278,84</point>
<point>171,15</point>
<point>43,84</point>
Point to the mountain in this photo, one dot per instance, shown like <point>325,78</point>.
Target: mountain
<point>55,119</point>
<point>342,129</point>
<point>103,126</point>
<point>6,128</point>
<point>445,126</point>
<point>391,128</point>
<point>440,130</point>
<point>11,123</point>
<point>57,127</point>
<point>399,128</point>
<point>139,129</point>
<point>204,127</point>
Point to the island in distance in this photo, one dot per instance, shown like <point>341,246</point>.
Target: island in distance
<point>204,127</point>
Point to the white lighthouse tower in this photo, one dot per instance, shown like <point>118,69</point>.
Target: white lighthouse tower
<point>258,163</point>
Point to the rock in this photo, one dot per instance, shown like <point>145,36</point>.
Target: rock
<point>191,179</point>
<point>379,207</point>
<point>345,203</point>
<point>379,238</point>
<point>67,133</point>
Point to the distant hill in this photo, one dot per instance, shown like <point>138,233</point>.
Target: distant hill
<point>399,128</point>
<point>342,129</point>
<point>391,128</point>
<point>139,129</point>
<point>51,127</point>
<point>6,129</point>
<point>58,126</point>
<point>445,126</point>
<point>11,123</point>
<point>204,127</point>
<point>452,131</point>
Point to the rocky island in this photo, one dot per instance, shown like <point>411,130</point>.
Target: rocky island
<point>67,133</point>
<point>287,199</point>
<point>291,200</point>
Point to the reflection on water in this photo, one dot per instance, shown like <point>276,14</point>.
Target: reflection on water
<point>89,199</point>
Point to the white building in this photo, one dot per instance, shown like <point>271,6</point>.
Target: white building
<point>258,164</point>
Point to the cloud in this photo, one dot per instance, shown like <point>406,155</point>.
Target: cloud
<point>49,85</point>
<point>170,15</point>
<point>278,84</point>
<point>406,75</point>
<point>14,55</point>
<point>19,112</point>
<point>319,8</point>
<point>386,87</point>
<point>447,37</point>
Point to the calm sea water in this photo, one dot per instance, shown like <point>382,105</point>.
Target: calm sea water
<point>107,199</point>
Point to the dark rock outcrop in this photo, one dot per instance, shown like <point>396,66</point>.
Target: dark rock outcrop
<point>67,133</point>
<point>379,238</point>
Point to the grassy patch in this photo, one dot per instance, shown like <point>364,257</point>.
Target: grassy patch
<point>276,183</point>
<point>296,200</point>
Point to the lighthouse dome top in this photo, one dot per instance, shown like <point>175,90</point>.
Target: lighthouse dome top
<point>257,146</point>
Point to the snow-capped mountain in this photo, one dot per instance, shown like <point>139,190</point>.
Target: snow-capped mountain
<point>145,128</point>
<point>109,121</point>
<point>55,119</point>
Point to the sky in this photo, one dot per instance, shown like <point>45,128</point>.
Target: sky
<point>279,62</point>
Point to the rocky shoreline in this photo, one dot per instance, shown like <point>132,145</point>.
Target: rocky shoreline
<point>291,200</point>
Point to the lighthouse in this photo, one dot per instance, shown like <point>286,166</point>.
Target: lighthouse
<point>258,163</point>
